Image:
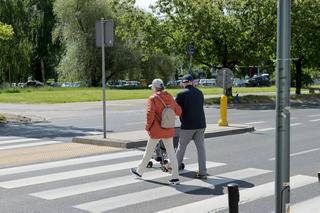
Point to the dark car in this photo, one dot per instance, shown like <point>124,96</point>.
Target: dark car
<point>258,81</point>
<point>34,84</point>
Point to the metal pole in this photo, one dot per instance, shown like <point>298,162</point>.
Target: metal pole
<point>103,79</point>
<point>224,82</point>
<point>282,185</point>
<point>233,198</point>
<point>190,65</point>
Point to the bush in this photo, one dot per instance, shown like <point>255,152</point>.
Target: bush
<point>2,118</point>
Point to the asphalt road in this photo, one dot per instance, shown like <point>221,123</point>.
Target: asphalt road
<point>105,185</point>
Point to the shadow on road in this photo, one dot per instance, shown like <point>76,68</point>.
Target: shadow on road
<point>216,189</point>
<point>44,131</point>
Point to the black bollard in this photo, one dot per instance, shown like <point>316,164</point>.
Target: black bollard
<point>233,197</point>
<point>319,176</point>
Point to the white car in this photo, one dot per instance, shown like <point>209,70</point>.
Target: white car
<point>207,82</point>
<point>239,82</point>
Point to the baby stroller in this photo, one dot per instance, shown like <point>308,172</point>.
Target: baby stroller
<point>161,156</point>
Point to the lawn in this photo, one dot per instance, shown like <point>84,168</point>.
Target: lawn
<point>65,95</point>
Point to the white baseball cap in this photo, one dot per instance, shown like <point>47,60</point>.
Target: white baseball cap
<point>157,84</point>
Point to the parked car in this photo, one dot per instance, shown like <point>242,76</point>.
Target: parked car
<point>33,83</point>
<point>71,84</point>
<point>172,83</point>
<point>54,84</point>
<point>237,82</point>
<point>258,81</point>
<point>132,84</point>
<point>207,82</point>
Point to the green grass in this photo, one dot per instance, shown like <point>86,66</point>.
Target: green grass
<point>66,95</point>
<point>263,99</point>
<point>246,99</point>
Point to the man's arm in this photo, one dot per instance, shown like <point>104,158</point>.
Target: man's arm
<point>179,99</point>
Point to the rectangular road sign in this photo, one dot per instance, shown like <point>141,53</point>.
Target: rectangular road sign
<point>108,33</point>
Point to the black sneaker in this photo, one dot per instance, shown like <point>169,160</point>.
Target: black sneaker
<point>174,181</point>
<point>134,171</point>
<point>182,166</point>
<point>202,177</point>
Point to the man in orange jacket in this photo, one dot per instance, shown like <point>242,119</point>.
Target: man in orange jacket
<point>156,132</point>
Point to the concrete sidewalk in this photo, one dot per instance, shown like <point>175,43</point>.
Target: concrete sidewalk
<point>139,138</point>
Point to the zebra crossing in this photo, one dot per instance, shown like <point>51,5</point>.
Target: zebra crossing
<point>102,183</point>
<point>12,142</point>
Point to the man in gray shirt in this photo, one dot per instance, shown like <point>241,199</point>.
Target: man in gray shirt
<point>193,123</point>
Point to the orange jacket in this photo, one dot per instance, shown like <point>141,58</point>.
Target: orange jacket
<point>154,111</point>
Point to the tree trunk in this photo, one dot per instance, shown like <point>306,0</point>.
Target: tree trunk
<point>298,64</point>
<point>42,71</point>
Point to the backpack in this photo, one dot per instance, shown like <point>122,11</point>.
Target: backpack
<point>168,116</point>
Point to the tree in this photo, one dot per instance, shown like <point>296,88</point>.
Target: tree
<point>75,30</point>
<point>15,53</point>
<point>44,56</point>
<point>305,37</point>
<point>140,31</point>
<point>6,31</point>
<point>225,33</point>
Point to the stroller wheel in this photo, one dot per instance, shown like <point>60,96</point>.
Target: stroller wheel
<point>150,164</point>
<point>165,162</point>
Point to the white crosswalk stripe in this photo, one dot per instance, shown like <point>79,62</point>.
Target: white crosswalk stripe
<point>219,203</point>
<point>67,190</point>
<point>5,142</point>
<point>69,162</point>
<point>265,129</point>
<point>66,175</point>
<point>311,206</point>
<point>2,138</point>
<point>165,191</point>
<point>28,145</point>
<point>10,142</point>
<point>255,122</point>
<point>111,183</point>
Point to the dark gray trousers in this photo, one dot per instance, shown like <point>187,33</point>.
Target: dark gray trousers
<point>197,135</point>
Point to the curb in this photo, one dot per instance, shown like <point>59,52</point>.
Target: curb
<point>127,144</point>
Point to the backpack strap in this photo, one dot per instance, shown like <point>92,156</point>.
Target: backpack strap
<point>157,117</point>
<point>165,105</point>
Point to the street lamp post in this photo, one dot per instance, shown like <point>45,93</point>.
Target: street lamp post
<point>282,184</point>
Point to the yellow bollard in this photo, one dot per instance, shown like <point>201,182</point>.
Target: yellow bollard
<point>223,111</point>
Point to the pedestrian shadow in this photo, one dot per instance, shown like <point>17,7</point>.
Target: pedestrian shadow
<point>218,185</point>
<point>45,131</point>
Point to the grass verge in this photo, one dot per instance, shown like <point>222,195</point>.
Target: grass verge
<point>263,99</point>
<point>66,95</point>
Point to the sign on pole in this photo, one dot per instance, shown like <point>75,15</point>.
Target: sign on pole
<point>104,37</point>
<point>224,78</point>
<point>191,50</point>
<point>108,28</point>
